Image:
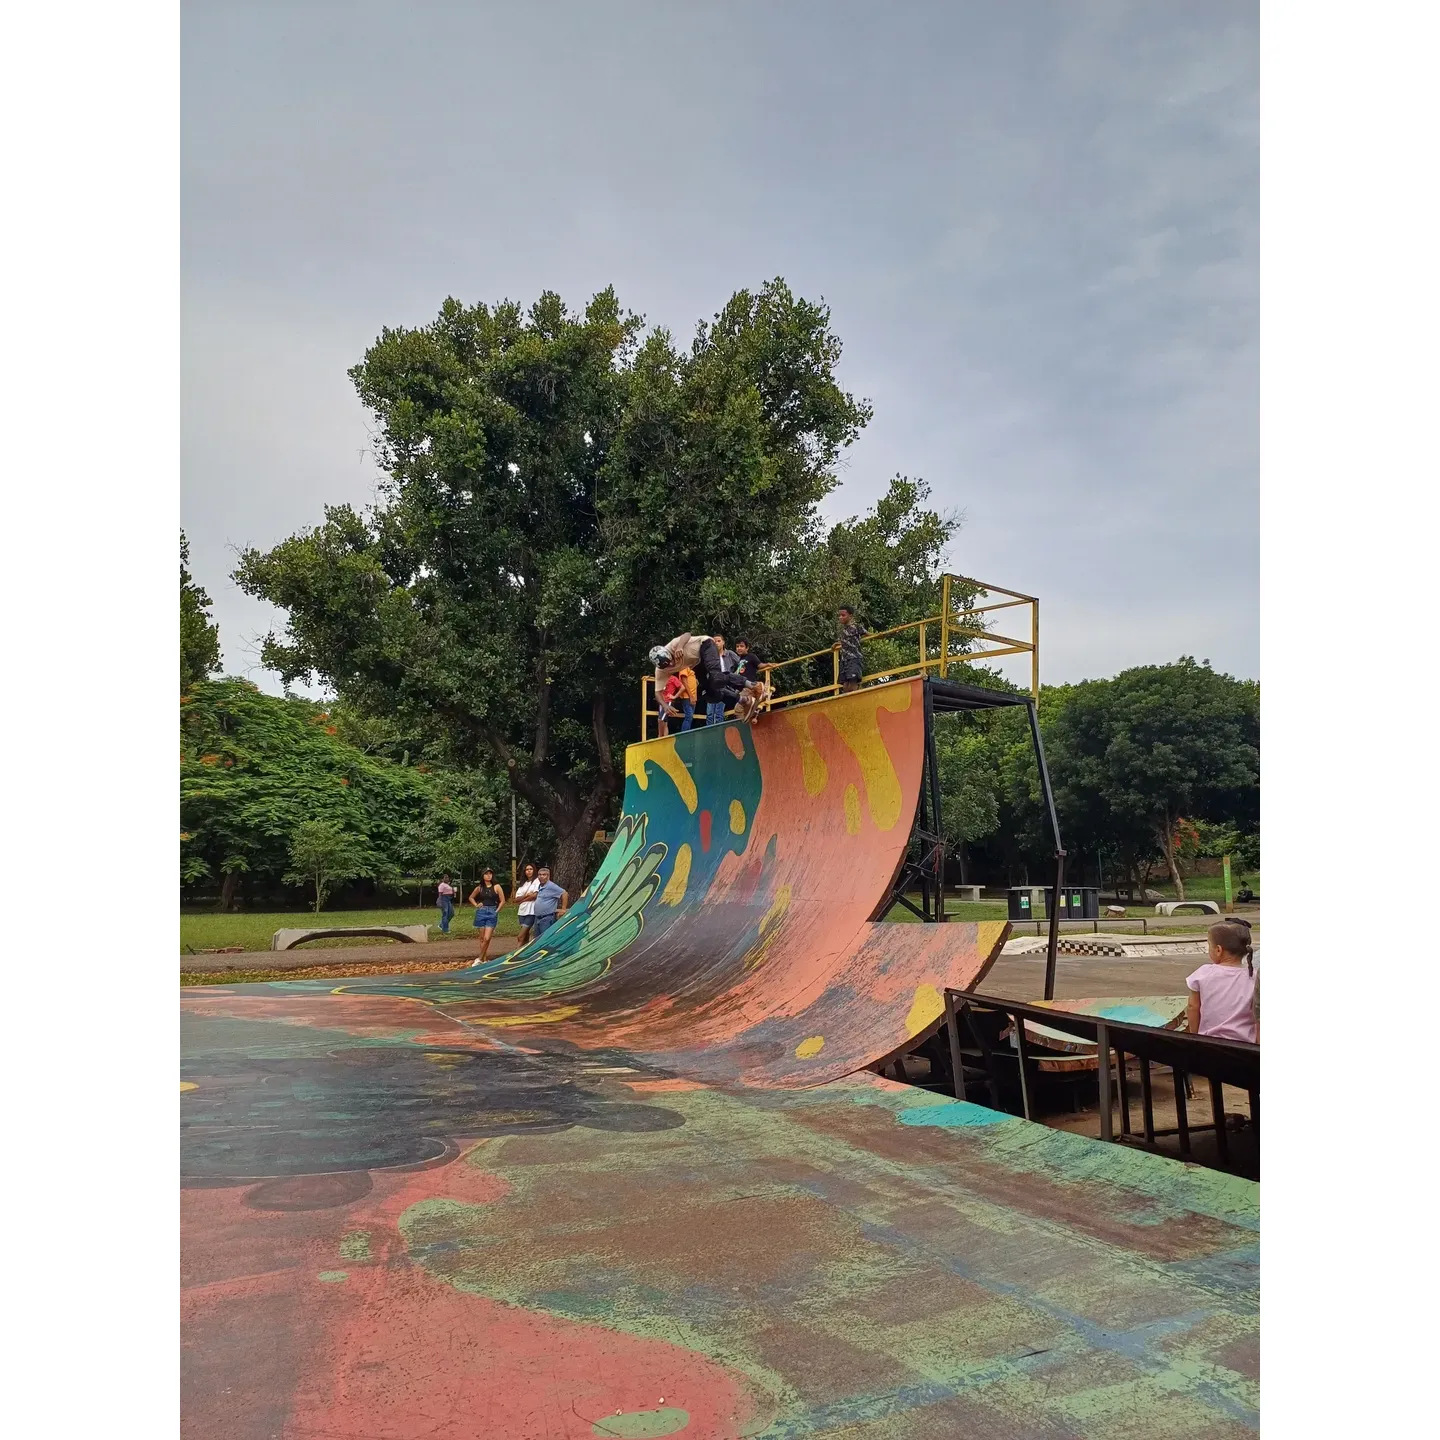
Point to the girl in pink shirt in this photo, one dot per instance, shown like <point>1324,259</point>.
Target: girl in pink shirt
<point>1222,992</point>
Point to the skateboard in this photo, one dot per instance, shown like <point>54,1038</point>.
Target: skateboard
<point>747,707</point>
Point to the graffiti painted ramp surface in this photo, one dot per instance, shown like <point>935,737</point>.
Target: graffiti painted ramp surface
<point>393,1230</point>
<point>727,936</point>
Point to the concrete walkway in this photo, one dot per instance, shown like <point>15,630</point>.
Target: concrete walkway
<point>462,950</point>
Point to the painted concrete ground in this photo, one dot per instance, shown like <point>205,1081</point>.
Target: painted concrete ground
<point>394,1231</point>
<point>618,1182</point>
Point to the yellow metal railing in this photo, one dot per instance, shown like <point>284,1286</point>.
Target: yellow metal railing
<point>960,634</point>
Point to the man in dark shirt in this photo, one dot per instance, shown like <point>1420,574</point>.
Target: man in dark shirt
<point>848,645</point>
<point>729,665</point>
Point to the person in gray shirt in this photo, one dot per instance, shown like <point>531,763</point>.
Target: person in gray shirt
<point>551,902</point>
<point>851,633</point>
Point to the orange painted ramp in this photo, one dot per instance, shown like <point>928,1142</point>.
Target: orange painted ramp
<point>727,937</point>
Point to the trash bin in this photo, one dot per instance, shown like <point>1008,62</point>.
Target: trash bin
<point>1021,906</point>
<point>1080,902</point>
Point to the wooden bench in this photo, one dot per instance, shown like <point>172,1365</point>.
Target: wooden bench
<point>1169,907</point>
<point>409,934</point>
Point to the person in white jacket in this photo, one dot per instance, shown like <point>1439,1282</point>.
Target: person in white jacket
<point>700,654</point>
<point>525,893</point>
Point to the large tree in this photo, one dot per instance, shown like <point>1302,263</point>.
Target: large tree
<point>562,491</point>
<point>199,635</point>
<point>1134,755</point>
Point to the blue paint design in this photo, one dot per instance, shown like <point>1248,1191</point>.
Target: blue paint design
<point>955,1114</point>
<point>1130,1014</point>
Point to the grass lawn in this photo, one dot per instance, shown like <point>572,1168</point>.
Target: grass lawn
<point>215,930</point>
<point>955,909</point>
<point>1206,887</point>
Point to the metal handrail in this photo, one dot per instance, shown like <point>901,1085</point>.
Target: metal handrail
<point>951,624</point>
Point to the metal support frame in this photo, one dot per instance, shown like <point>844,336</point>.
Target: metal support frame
<point>926,867</point>
<point>1220,1062</point>
<point>924,863</point>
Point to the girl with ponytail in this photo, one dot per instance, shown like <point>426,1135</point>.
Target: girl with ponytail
<point>1222,991</point>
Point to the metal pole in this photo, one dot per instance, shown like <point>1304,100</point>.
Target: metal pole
<point>1022,1050</point>
<point>1182,1115</point>
<point>1217,1112</point>
<point>512,843</point>
<point>1102,1042</point>
<point>952,1030</point>
<point>1052,949</point>
<point>932,763</point>
<point>1034,649</point>
<point>945,627</point>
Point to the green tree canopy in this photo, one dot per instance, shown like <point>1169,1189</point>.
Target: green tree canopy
<point>323,855</point>
<point>199,635</point>
<point>564,491</point>
<point>1133,756</point>
<point>254,768</point>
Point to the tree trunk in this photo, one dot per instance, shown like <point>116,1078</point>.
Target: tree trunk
<point>570,851</point>
<point>229,884</point>
<point>1171,863</point>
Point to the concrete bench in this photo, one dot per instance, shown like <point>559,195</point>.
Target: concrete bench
<point>1169,907</point>
<point>410,934</point>
<point>970,893</point>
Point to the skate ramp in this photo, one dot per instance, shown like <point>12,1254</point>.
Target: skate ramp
<point>727,936</point>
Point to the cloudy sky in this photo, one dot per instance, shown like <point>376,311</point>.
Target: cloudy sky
<point>1035,223</point>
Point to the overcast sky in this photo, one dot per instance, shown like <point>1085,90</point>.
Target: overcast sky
<point>1035,223</point>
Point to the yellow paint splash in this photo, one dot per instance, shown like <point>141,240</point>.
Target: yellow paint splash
<point>812,762</point>
<point>852,810</point>
<point>859,728</point>
<point>188,1085</point>
<point>770,925</point>
<point>778,907</point>
<point>813,1046</point>
<point>661,754</point>
<point>733,743</point>
<point>544,1017</point>
<point>737,818</point>
<point>674,891</point>
<point>928,1007</point>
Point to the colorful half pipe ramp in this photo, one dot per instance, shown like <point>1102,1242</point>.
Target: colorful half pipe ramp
<point>727,936</point>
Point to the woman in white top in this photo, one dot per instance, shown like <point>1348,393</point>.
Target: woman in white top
<point>525,893</point>
<point>446,894</point>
